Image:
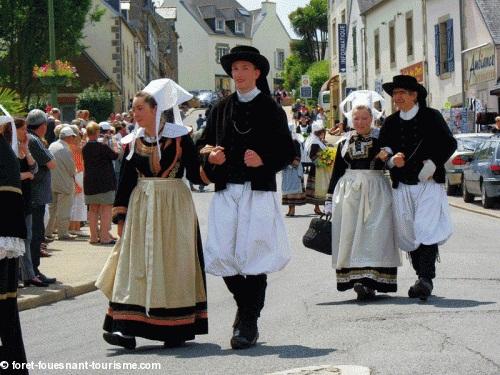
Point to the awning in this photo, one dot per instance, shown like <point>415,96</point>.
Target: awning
<point>326,85</point>
<point>495,91</point>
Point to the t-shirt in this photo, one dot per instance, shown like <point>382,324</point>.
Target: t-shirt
<point>40,189</point>
<point>98,176</point>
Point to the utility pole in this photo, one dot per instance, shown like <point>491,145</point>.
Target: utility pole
<point>52,52</point>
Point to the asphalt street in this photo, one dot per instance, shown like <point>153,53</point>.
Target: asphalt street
<point>307,322</point>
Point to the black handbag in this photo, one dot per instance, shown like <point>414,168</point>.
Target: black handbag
<point>319,235</point>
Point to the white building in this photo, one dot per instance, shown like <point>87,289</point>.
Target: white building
<point>395,41</point>
<point>481,54</point>
<point>208,29</point>
<point>444,53</point>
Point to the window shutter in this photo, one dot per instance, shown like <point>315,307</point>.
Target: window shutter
<point>437,50</point>
<point>449,44</point>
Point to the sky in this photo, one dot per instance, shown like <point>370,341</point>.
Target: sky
<point>284,8</point>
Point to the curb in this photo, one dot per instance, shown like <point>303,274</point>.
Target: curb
<point>475,210</point>
<point>50,296</point>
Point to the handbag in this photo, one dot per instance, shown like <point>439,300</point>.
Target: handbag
<point>319,235</point>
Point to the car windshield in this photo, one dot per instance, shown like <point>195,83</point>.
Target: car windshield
<point>469,144</point>
<point>498,150</point>
<point>205,95</point>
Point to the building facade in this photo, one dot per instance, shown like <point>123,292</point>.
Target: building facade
<point>208,29</point>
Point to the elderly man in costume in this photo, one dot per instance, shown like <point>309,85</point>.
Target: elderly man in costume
<point>418,142</point>
<point>154,277</point>
<point>245,143</point>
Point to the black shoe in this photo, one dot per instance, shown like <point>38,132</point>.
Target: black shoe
<point>45,279</point>
<point>364,293</point>
<point>118,340</point>
<point>35,282</point>
<point>245,335</point>
<point>421,289</point>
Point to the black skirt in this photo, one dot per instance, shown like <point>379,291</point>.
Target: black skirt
<point>381,279</point>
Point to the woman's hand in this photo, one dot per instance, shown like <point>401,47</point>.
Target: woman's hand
<point>383,155</point>
<point>120,228</point>
<point>27,176</point>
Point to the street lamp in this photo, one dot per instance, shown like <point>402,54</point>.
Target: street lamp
<point>180,48</point>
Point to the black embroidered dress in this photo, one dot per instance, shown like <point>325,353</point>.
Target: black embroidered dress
<point>364,248</point>
<point>155,277</point>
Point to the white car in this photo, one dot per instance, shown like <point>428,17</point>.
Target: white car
<point>466,145</point>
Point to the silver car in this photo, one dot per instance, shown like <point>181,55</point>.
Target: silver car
<point>467,143</point>
<point>482,174</point>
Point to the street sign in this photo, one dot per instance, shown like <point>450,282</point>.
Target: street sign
<point>342,37</point>
<point>306,92</point>
<point>304,81</point>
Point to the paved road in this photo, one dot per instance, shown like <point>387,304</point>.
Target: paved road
<point>307,322</point>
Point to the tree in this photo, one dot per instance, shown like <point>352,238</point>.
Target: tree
<point>311,24</point>
<point>24,38</point>
<point>97,100</point>
<point>11,102</point>
<point>318,73</point>
<point>294,68</point>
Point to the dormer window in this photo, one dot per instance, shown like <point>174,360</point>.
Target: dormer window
<point>220,24</point>
<point>240,27</point>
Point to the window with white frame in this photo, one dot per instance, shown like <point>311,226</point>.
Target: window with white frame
<point>240,27</point>
<point>221,50</point>
<point>219,24</point>
<point>354,47</point>
<point>409,34</point>
<point>392,43</point>
<point>280,59</point>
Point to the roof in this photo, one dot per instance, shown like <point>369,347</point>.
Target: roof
<point>366,5</point>
<point>491,17</point>
<point>229,10</point>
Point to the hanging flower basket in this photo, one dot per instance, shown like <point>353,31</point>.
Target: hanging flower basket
<point>58,75</point>
<point>53,81</point>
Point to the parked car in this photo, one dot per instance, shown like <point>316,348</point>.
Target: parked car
<point>482,173</point>
<point>207,98</point>
<point>466,145</point>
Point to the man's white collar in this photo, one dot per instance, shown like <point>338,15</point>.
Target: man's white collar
<point>409,114</point>
<point>248,96</point>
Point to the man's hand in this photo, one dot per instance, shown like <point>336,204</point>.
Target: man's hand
<point>399,160</point>
<point>252,159</point>
<point>217,156</point>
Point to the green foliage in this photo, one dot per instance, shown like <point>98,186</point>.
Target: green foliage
<point>311,24</point>
<point>319,72</point>
<point>97,100</point>
<point>11,101</point>
<point>294,68</point>
<point>24,38</point>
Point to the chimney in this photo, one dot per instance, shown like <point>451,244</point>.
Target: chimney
<point>269,7</point>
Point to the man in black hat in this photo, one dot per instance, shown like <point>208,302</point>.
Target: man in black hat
<point>245,143</point>
<point>418,142</point>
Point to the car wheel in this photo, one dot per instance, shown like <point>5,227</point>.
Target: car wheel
<point>450,189</point>
<point>486,201</point>
<point>468,198</point>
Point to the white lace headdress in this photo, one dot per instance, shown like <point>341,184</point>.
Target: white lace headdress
<point>362,97</point>
<point>168,95</point>
<point>6,117</point>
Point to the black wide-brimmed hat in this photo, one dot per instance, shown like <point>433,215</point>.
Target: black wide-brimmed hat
<point>251,54</point>
<point>405,82</point>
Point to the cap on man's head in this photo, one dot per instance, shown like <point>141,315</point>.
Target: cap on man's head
<point>104,125</point>
<point>36,117</point>
<point>65,132</point>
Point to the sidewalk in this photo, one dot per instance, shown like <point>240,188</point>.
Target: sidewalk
<point>76,265</point>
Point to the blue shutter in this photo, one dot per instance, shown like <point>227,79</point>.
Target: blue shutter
<point>449,44</point>
<point>437,50</point>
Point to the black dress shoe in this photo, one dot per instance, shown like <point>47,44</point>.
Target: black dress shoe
<point>421,289</point>
<point>35,282</point>
<point>118,340</point>
<point>245,334</point>
<point>45,279</point>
